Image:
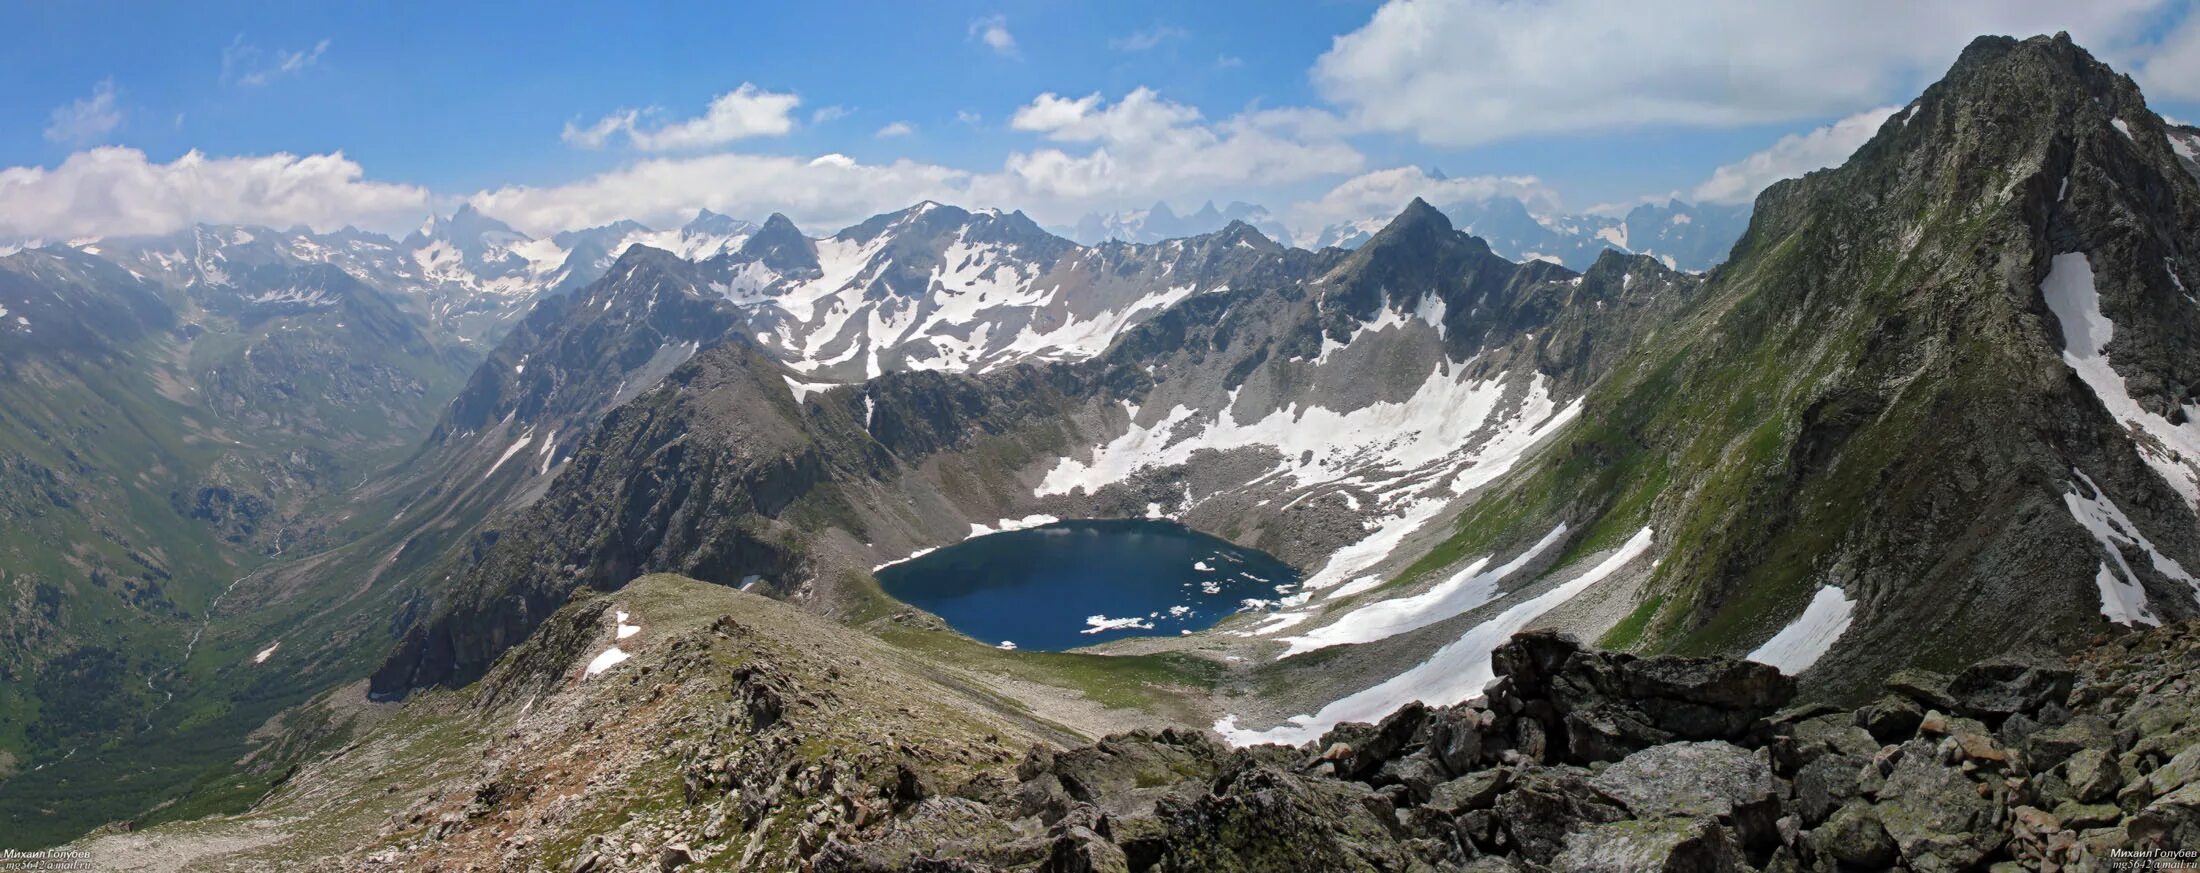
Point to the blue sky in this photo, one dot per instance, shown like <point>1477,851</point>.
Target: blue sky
<point>1312,109</point>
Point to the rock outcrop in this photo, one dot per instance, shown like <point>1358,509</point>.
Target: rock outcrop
<point>1581,760</point>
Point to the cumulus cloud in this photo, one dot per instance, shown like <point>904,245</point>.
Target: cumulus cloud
<point>88,120</point>
<point>1097,154</point>
<point>823,193</point>
<point>1793,155</point>
<point>992,30</point>
<point>1462,72</point>
<point>742,113</point>
<point>2172,69</point>
<point>1144,144</point>
<point>1384,193</point>
<point>1148,39</point>
<point>894,129</point>
<point>249,65</point>
<point>114,191</point>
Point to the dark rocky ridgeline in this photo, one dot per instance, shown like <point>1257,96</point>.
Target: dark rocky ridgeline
<point>719,474</point>
<point>1581,760</point>
<point>1871,394</point>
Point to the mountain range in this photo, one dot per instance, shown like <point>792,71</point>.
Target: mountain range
<point>1683,236</point>
<point>1934,407</point>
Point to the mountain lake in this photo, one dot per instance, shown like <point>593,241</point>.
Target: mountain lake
<point>1076,583</point>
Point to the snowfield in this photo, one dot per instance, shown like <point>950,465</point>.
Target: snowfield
<point>2173,450</point>
<point>2123,598</point>
<point>1463,591</point>
<point>1810,635</point>
<point>1454,673</point>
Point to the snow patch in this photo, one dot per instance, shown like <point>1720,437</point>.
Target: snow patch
<point>508,453</point>
<point>2123,598</point>
<point>267,653</point>
<point>1456,672</point>
<point>1464,591</point>
<point>1810,635</point>
<point>2173,450</point>
<point>609,659</point>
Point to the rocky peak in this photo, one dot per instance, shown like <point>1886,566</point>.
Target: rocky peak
<point>780,246</point>
<point>708,223</point>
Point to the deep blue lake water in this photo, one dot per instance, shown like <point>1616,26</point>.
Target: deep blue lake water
<point>1076,583</point>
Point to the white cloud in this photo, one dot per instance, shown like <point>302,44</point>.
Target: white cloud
<point>993,31</point>
<point>1147,39</point>
<point>1384,193</point>
<point>88,120</point>
<point>824,114</point>
<point>744,112</point>
<point>898,128</point>
<point>252,66</point>
<point>1100,155</point>
<point>1793,155</point>
<point>2172,69</point>
<point>115,191</point>
<point>1143,145</point>
<point>596,135</point>
<point>1461,72</point>
<point>969,117</point>
<point>822,193</point>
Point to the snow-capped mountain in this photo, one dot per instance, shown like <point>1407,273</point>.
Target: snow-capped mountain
<point>469,274</point>
<point>1683,236</point>
<point>939,287</point>
<point>1160,223</point>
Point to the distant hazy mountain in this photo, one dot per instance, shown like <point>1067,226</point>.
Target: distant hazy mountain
<point>1683,236</point>
<point>1162,223</point>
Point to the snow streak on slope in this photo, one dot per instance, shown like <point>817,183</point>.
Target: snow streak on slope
<point>1810,635</point>
<point>1323,445</point>
<point>2173,450</point>
<point>1464,591</point>
<point>2123,599</point>
<point>1456,672</point>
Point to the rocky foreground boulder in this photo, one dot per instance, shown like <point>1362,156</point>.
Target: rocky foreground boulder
<point>1580,760</point>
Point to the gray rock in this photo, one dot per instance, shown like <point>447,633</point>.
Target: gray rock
<point>1689,780</point>
<point>1822,786</point>
<point>2093,775</point>
<point>2046,748</point>
<point>1455,737</point>
<point>1893,719</point>
<point>1927,688</point>
<point>2172,821</point>
<point>1418,772</point>
<point>1546,805</point>
<point>1674,845</point>
<point>1996,690</point>
<point>1935,815</point>
<point>2085,816</point>
<point>1854,835</point>
<point>1477,790</point>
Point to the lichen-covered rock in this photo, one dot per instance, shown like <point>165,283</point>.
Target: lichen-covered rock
<point>2093,775</point>
<point>1937,816</point>
<point>1673,845</point>
<point>1995,690</point>
<point>1711,780</point>
<point>1854,835</point>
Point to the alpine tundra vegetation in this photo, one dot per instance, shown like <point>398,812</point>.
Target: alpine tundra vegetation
<point>1848,519</point>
